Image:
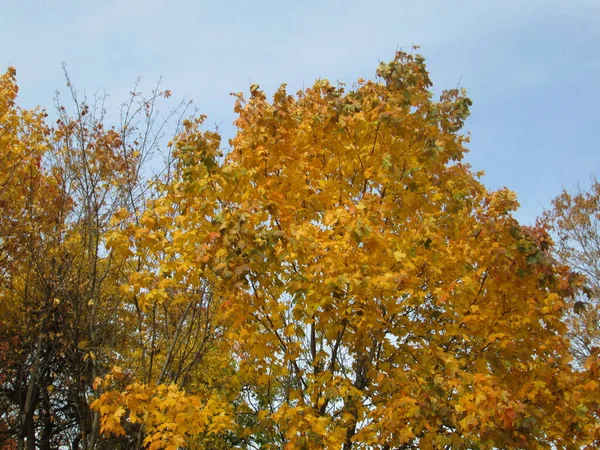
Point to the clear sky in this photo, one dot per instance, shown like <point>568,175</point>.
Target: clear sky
<point>532,67</point>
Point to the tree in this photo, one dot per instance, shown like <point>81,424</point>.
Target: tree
<point>61,310</point>
<point>575,223</point>
<point>366,290</point>
<point>24,186</point>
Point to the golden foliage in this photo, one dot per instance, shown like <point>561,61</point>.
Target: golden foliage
<point>337,279</point>
<point>373,292</point>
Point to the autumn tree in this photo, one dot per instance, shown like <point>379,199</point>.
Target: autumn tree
<point>366,290</point>
<point>62,314</point>
<point>23,187</point>
<point>575,222</point>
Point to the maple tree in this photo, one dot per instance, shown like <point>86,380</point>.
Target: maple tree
<point>371,292</point>
<point>575,223</point>
<point>337,278</point>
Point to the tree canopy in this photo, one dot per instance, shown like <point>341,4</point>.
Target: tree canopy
<point>336,278</point>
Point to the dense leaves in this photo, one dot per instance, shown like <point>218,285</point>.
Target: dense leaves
<point>337,279</point>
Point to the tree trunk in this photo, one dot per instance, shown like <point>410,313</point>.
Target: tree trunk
<point>27,429</point>
<point>95,431</point>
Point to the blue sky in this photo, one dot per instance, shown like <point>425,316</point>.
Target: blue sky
<point>532,67</point>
